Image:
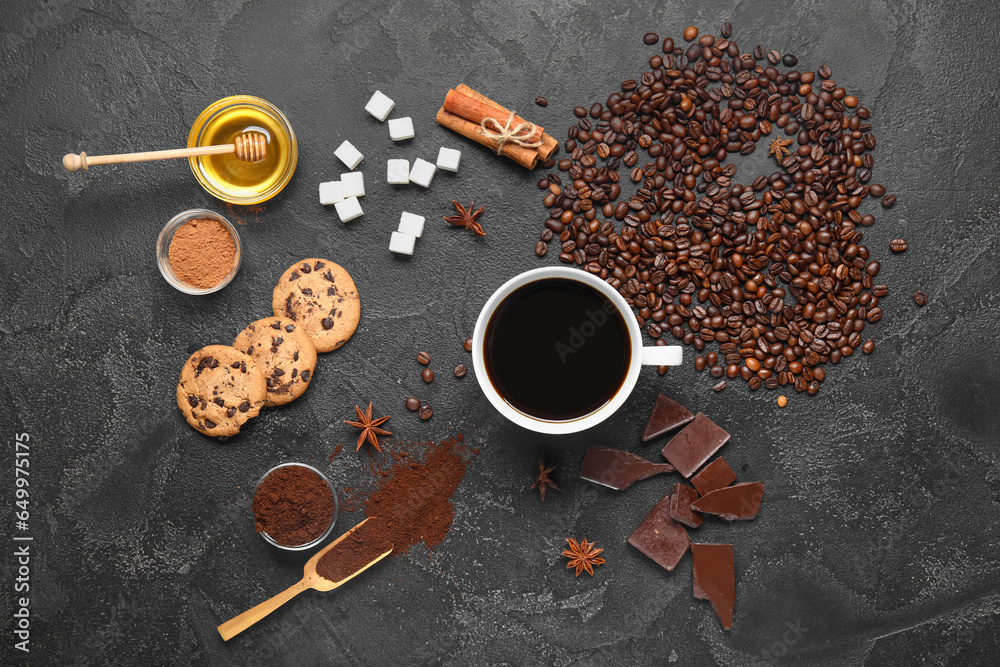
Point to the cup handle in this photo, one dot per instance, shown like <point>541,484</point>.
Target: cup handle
<point>664,355</point>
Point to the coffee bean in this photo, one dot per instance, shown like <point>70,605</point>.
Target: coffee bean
<point>541,101</point>
<point>920,297</point>
<point>720,386</point>
<point>460,370</point>
<point>868,347</point>
<point>668,45</point>
<point>876,190</point>
<point>699,363</point>
<point>782,401</point>
<point>888,201</point>
<point>716,371</point>
<point>824,71</point>
<point>541,248</point>
<point>426,413</point>
<point>690,33</point>
<point>650,38</point>
<point>759,51</point>
<point>427,375</point>
<point>789,60</point>
<point>580,111</point>
<point>412,404</point>
<point>727,30</point>
<point>423,358</point>
<point>774,57</point>
<point>467,345</point>
<point>898,245</point>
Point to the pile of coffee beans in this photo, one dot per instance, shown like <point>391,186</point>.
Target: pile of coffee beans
<point>775,272</point>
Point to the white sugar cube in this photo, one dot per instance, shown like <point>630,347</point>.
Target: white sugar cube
<point>448,159</point>
<point>399,172</point>
<point>349,155</point>
<point>402,243</point>
<point>380,105</point>
<point>354,184</point>
<point>422,172</point>
<point>331,192</point>
<point>411,223</point>
<point>349,209</point>
<point>401,128</point>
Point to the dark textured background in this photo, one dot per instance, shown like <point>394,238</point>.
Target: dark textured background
<point>877,540</point>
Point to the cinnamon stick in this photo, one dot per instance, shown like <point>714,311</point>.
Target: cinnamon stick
<point>526,157</point>
<point>478,107</point>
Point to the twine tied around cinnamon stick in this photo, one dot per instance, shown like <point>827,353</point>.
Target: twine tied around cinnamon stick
<point>502,134</point>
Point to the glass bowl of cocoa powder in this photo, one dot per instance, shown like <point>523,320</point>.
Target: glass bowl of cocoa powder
<point>199,251</point>
<point>294,506</point>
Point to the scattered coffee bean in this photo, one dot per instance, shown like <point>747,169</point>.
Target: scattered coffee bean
<point>898,245</point>
<point>720,386</point>
<point>412,404</point>
<point>541,248</point>
<point>460,370</point>
<point>427,375</point>
<point>690,33</point>
<point>580,111</point>
<point>876,190</point>
<point>759,51</point>
<point>423,358</point>
<point>425,413</point>
<point>541,101</point>
<point>662,370</point>
<point>650,38</point>
<point>789,60</point>
<point>920,297</point>
<point>467,345</point>
<point>824,71</point>
<point>782,401</point>
<point>727,30</point>
<point>774,57</point>
<point>888,201</point>
<point>868,347</point>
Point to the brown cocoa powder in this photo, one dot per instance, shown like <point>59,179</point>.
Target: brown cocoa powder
<point>293,505</point>
<point>202,252</point>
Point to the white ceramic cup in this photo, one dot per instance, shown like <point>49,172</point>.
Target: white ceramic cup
<point>670,355</point>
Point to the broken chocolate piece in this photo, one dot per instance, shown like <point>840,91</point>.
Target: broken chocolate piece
<point>715,579</point>
<point>715,475</point>
<point>667,415</point>
<point>680,505</point>
<point>618,469</point>
<point>739,501</point>
<point>660,537</point>
<point>689,449</point>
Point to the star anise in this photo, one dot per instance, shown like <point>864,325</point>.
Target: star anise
<point>466,218</point>
<point>369,427</point>
<point>777,148</point>
<point>583,556</point>
<point>544,481</point>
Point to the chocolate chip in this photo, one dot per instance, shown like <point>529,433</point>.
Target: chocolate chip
<point>294,276</point>
<point>319,265</point>
<point>249,353</point>
<point>230,412</point>
<point>289,328</point>
<point>218,401</point>
<point>209,423</point>
<point>277,372</point>
<point>193,401</point>
<point>305,376</point>
<point>236,364</point>
<point>329,276</point>
<point>307,291</point>
<point>295,357</point>
<point>327,323</point>
<point>288,308</point>
<point>331,291</point>
<point>269,382</point>
<point>243,367</point>
<point>306,268</point>
<point>275,325</point>
<point>277,341</point>
<point>244,406</point>
<point>295,371</point>
<point>213,362</point>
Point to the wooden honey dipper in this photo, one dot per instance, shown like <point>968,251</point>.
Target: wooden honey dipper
<point>248,147</point>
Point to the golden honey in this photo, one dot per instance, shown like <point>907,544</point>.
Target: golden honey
<point>233,180</point>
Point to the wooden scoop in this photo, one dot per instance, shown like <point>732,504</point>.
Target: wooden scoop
<point>248,147</point>
<point>310,579</point>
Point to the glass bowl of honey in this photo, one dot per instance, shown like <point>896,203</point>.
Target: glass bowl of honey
<point>230,179</point>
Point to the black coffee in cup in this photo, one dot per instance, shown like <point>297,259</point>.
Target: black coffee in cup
<point>557,349</point>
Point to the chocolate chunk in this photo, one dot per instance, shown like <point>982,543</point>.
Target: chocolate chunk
<point>307,291</point>
<point>249,353</point>
<point>327,323</point>
<point>277,372</point>
<point>244,406</point>
<point>739,501</point>
<point>236,364</point>
<point>295,372</point>
<point>209,423</point>
<point>618,469</point>
<point>660,537</point>
<point>230,412</point>
<point>319,264</point>
<point>289,328</point>
<point>715,475</point>
<point>276,325</point>
<point>330,291</point>
<point>667,415</point>
<point>295,355</point>
<point>306,268</point>
<point>305,376</point>
<point>715,579</point>
<point>243,367</point>
<point>218,401</point>
<point>695,444</point>
<point>277,341</point>
<point>193,401</point>
<point>288,308</point>
<point>680,505</point>
<point>329,276</point>
<point>269,382</point>
<point>294,276</point>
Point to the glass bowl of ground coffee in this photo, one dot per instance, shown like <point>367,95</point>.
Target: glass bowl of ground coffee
<point>198,251</point>
<point>294,506</point>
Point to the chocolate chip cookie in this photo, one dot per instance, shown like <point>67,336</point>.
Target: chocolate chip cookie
<point>320,297</point>
<point>283,351</point>
<point>220,389</point>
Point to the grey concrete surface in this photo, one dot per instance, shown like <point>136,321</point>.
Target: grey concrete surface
<point>877,541</point>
